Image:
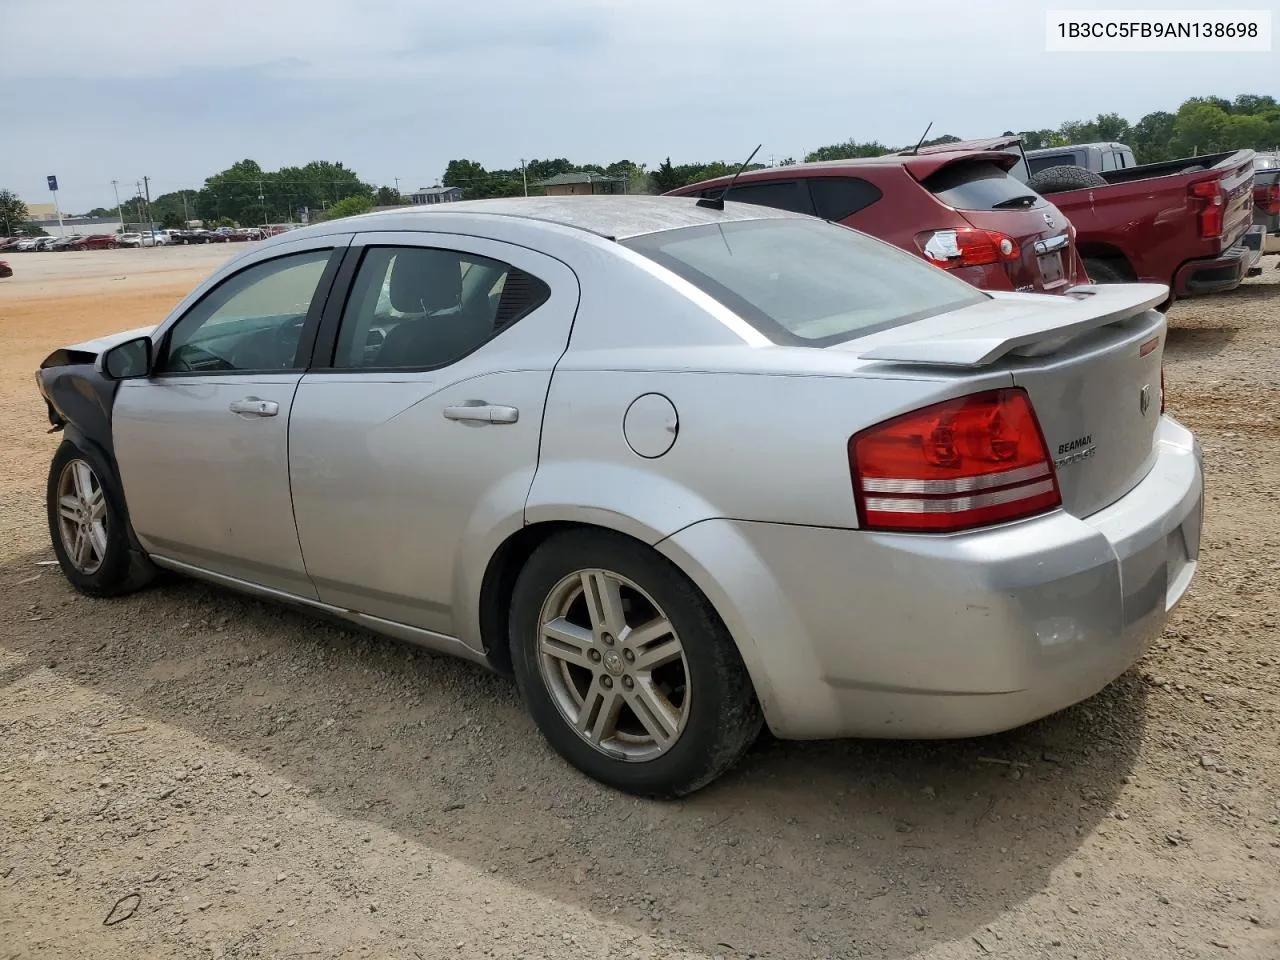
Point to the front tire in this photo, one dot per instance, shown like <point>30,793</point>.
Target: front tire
<point>88,526</point>
<point>626,668</point>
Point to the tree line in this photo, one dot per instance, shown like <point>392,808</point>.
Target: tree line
<point>245,194</point>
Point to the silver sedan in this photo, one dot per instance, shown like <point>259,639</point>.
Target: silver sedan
<point>683,468</point>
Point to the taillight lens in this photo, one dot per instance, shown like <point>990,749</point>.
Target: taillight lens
<point>1209,192</point>
<point>1269,200</point>
<point>966,247</point>
<point>956,465</point>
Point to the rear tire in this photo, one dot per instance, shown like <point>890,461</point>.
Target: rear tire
<point>653,657</point>
<point>1062,178</point>
<point>89,526</point>
<point>1105,271</point>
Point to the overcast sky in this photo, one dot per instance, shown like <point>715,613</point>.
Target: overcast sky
<point>95,90</point>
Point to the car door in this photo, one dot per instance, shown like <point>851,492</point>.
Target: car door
<point>421,439</point>
<point>202,443</point>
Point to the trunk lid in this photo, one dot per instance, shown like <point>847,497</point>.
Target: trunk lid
<point>1090,363</point>
<point>981,191</point>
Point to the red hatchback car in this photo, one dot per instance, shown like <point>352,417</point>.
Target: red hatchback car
<point>96,241</point>
<point>953,204</point>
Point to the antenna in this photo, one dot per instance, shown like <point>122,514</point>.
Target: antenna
<point>916,148</point>
<point>717,203</point>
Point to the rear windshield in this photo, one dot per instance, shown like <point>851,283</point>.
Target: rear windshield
<point>980,185</point>
<point>806,282</point>
<point>1265,162</point>
<point>1051,160</point>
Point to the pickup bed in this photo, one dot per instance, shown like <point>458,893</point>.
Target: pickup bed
<point>1179,222</point>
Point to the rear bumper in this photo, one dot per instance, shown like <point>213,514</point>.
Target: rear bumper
<point>1197,277</point>
<point>875,635</point>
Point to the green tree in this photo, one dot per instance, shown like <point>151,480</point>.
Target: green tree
<point>1152,137</point>
<point>388,197</point>
<point>665,177</point>
<point>348,207</point>
<point>246,193</point>
<point>1112,127</point>
<point>13,213</point>
<point>847,150</point>
<point>101,212</point>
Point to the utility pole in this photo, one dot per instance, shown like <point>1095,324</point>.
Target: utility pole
<point>524,176</point>
<point>397,180</point>
<point>115,186</point>
<point>151,223</point>
<point>186,217</point>
<point>262,200</point>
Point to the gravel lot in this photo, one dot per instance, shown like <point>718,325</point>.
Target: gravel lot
<point>256,783</point>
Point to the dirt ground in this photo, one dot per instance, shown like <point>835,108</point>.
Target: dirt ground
<point>252,782</point>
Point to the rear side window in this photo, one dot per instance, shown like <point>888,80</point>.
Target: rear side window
<point>835,198</point>
<point>780,194</point>
<point>980,185</point>
<point>1036,164</point>
<point>806,282</point>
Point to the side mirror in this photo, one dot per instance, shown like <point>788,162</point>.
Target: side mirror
<point>126,361</point>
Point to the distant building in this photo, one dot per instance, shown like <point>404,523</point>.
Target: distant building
<point>70,225</point>
<point>582,184</point>
<point>42,211</point>
<point>425,195</point>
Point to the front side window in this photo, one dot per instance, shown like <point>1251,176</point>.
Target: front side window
<point>251,322</point>
<point>419,308</point>
<point>806,282</point>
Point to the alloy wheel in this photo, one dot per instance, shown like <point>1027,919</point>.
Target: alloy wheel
<point>82,516</point>
<point>614,665</point>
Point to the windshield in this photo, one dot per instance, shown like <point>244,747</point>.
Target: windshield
<point>805,282</point>
<point>980,185</point>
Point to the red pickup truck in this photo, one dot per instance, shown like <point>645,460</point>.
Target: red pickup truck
<point>1178,223</point>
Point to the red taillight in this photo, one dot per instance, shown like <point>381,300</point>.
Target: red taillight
<point>966,247</point>
<point>1268,198</point>
<point>1209,192</point>
<point>963,463</point>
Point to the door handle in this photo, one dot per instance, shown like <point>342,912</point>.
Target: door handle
<point>477,411</point>
<point>253,407</point>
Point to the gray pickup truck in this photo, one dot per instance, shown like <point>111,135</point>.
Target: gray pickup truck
<point>1266,199</point>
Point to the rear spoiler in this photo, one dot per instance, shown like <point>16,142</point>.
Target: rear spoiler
<point>1023,326</point>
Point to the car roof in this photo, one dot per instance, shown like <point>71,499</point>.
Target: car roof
<point>612,217</point>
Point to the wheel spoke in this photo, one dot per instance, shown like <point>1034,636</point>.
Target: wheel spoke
<point>69,508</point>
<point>598,716</point>
<point>98,505</point>
<point>654,644</point>
<point>604,602</point>
<point>98,540</point>
<point>83,477</point>
<point>80,553</point>
<point>656,714</point>
<point>566,641</point>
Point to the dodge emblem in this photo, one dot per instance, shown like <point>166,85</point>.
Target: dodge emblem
<point>1144,398</point>
<point>1049,221</point>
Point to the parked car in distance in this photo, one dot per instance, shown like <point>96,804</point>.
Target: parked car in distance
<point>65,243</point>
<point>96,241</point>
<point>1266,199</point>
<point>8,243</point>
<point>6,271</point>
<point>27,243</point>
<point>136,240</point>
<point>1178,222</point>
<point>954,205</point>
<point>1097,157</point>
<point>682,467</point>
<point>45,243</point>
